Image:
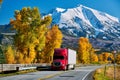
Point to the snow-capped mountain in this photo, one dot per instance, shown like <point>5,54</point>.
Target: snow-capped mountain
<point>82,21</point>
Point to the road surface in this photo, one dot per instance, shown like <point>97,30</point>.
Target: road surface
<point>80,73</point>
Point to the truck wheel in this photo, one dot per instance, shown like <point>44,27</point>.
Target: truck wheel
<point>65,68</point>
<point>73,67</point>
<point>68,67</point>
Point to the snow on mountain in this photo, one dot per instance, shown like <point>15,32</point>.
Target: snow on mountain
<point>82,20</point>
<point>101,15</point>
<point>60,9</point>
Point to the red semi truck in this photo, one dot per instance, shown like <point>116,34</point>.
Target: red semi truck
<point>63,59</point>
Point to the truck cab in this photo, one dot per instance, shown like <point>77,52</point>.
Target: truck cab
<point>60,59</point>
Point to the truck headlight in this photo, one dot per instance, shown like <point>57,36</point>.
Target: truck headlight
<point>63,64</point>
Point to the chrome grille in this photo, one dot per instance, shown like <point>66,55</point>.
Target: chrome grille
<point>57,64</point>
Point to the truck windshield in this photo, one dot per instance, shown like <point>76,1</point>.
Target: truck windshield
<point>58,57</point>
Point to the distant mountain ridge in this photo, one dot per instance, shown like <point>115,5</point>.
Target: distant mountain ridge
<point>102,29</point>
<point>5,28</point>
<point>82,21</point>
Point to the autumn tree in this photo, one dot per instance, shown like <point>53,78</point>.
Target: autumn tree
<point>9,55</point>
<point>118,59</point>
<point>100,57</point>
<point>1,1</point>
<point>94,56</point>
<point>30,33</point>
<point>111,57</point>
<point>105,56</point>
<point>84,49</point>
<point>53,40</point>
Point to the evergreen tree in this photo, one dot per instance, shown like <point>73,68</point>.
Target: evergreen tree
<point>2,56</point>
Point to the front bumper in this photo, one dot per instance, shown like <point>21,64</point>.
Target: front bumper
<point>58,68</point>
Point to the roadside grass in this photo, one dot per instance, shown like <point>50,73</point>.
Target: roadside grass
<point>99,75</point>
<point>107,73</point>
<point>11,73</point>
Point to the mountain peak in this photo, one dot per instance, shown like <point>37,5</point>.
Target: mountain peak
<point>79,20</point>
<point>80,5</point>
<point>60,9</point>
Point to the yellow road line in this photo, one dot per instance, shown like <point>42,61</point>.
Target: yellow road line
<point>50,76</point>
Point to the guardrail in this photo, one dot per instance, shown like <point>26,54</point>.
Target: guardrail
<point>17,67</point>
<point>9,67</point>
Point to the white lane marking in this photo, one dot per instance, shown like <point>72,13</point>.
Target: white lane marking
<point>86,75</point>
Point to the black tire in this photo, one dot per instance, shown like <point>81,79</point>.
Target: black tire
<point>65,68</point>
<point>73,67</point>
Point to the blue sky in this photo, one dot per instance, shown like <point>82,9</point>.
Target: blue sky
<point>8,7</point>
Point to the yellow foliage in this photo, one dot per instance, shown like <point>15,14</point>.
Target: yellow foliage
<point>9,55</point>
<point>32,53</point>
<point>53,40</point>
<point>100,57</point>
<point>118,59</point>
<point>19,58</point>
<point>103,57</point>
<point>84,50</point>
<point>18,17</point>
<point>94,58</point>
<point>30,37</point>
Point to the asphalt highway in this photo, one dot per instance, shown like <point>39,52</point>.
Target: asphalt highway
<point>80,73</point>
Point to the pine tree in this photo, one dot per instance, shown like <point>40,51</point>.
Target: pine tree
<point>2,56</point>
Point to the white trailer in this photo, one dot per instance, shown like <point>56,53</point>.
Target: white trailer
<point>71,59</point>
